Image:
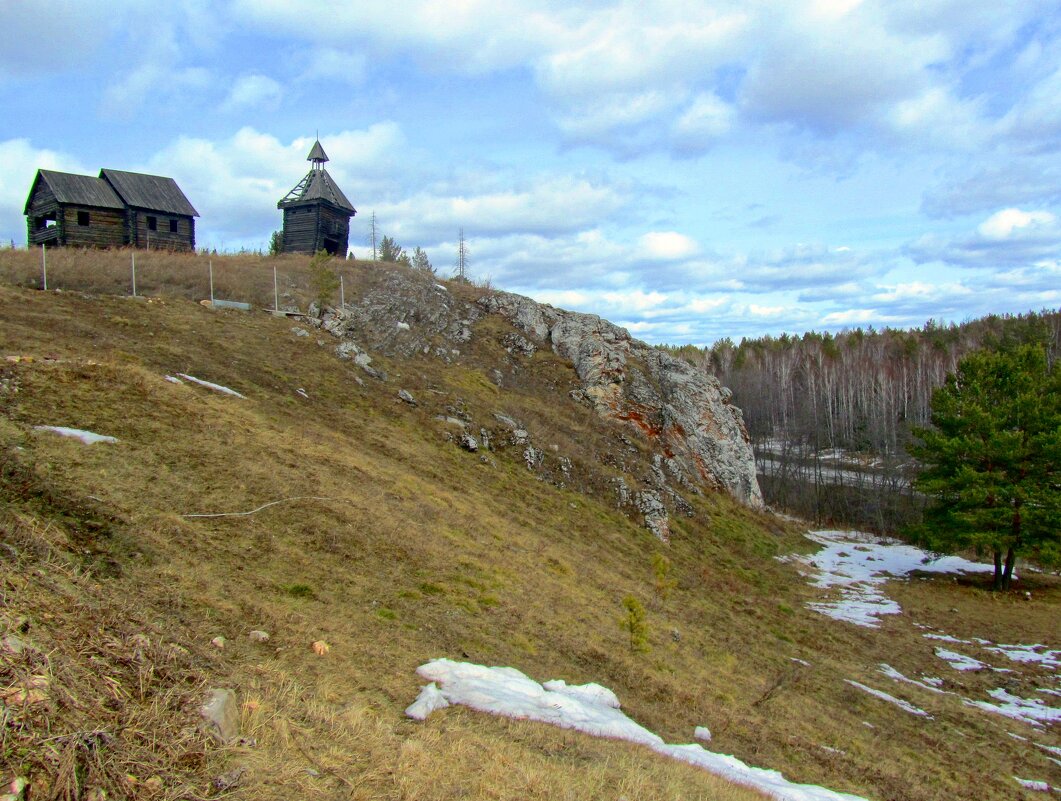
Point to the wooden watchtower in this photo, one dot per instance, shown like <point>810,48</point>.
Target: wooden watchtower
<point>316,212</point>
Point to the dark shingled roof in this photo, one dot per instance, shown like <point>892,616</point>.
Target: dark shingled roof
<point>317,153</point>
<point>80,190</point>
<point>316,186</point>
<point>151,192</point>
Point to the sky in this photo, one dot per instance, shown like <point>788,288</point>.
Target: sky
<point>689,170</point>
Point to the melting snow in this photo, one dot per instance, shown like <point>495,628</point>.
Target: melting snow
<point>927,684</point>
<point>860,565</point>
<point>961,661</point>
<point>1029,654</point>
<point>946,638</point>
<point>1032,784</point>
<point>1030,710</point>
<point>906,706</point>
<point>589,708</point>
<point>209,385</point>
<point>88,437</point>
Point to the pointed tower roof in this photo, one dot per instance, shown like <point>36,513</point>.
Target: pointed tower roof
<point>317,154</point>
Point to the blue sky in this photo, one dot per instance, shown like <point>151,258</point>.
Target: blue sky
<point>690,170</point>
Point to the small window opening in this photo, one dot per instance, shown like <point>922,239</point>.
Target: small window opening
<point>82,218</point>
<point>173,226</point>
<point>152,223</point>
<point>46,221</point>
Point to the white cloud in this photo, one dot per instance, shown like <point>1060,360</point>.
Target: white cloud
<point>75,33</point>
<point>668,245</point>
<point>851,317</point>
<point>707,119</point>
<point>765,311</point>
<point>1004,224</point>
<point>254,91</point>
<point>919,291</point>
<point>545,205</point>
<point>334,64</point>
<point>1008,238</point>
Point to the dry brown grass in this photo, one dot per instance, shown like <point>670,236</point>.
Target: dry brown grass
<point>423,551</point>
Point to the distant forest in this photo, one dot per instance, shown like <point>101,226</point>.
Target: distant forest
<point>830,415</point>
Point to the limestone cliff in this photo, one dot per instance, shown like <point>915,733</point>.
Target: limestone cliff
<point>696,436</point>
<point>682,410</point>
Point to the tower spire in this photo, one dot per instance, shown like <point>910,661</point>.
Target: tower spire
<point>317,155</point>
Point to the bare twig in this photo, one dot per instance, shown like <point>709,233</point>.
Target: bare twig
<point>263,506</point>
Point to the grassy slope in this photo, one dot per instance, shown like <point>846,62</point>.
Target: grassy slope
<point>420,550</point>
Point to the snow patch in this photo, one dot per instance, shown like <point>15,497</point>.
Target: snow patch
<point>173,379</point>
<point>87,437</point>
<point>961,661</point>
<point>926,684</point>
<point>906,706</point>
<point>509,693</point>
<point>1029,654</point>
<point>210,385</point>
<point>428,701</point>
<point>1030,710</point>
<point>1032,784</point>
<point>860,564</point>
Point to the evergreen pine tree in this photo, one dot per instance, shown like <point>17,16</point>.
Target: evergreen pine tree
<point>992,460</point>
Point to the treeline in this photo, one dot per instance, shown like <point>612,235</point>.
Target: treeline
<point>830,415</point>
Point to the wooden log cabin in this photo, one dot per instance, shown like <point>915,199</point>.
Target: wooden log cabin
<point>114,209</point>
<point>316,212</point>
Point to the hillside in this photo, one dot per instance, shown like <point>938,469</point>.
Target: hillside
<point>395,544</point>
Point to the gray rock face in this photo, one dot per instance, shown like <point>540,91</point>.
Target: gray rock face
<point>684,412</point>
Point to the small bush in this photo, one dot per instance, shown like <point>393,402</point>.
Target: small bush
<point>299,590</point>
<point>635,624</point>
<point>322,279</point>
<point>664,583</point>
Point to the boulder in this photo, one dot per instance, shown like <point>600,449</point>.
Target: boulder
<point>220,715</point>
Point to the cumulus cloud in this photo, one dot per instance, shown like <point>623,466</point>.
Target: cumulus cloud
<point>1033,181</point>
<point>546,205</point>
<point>667,245</point>
<point>76,32</point>
<point>333,64</point>
<point>254,91</point>
<point>659,76</point>
<point>1008,238</point>
<point>1008,223</point>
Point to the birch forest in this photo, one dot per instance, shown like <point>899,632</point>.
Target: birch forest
<point>830,415</point>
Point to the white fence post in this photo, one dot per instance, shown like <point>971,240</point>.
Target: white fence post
<point>134,272</point>
<point>342,294</point>
<point>44,266</point>
<point>210,265</point>
<point>276,292</point>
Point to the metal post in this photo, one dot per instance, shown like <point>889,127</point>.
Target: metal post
<point>342,294</point>
<point>276,292</point>
<point>210,264</point>
<point>44,266</point>
<point>134,273</point>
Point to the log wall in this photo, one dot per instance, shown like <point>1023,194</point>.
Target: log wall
<point>105,227</point>
<point>308,229</point>
<point>139,235</point>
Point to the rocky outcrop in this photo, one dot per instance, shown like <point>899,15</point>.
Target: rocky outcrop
<point>697,435</point>
<point>684,411</point>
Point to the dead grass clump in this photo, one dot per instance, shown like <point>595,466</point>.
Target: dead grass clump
<point>97,702</point>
